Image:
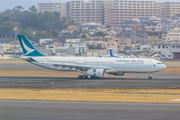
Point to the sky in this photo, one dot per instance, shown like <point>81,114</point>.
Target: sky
<point>9,4</point>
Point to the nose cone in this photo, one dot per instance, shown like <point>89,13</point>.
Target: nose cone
<point>164,66</point>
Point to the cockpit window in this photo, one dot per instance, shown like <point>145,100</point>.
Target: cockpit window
<point>159,63</point>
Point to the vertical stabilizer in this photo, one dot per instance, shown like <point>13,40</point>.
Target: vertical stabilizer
<point>111,55</point>
<point>28,48</point>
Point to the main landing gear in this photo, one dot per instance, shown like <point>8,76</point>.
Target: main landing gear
<point>82,77</point>
<point>150,76</point>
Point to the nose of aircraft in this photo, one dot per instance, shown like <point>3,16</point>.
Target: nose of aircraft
<point>164,66</point>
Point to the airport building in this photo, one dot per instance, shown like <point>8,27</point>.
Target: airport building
<point>53,7</point>
<point>168,50</point>
<point>170,9</point>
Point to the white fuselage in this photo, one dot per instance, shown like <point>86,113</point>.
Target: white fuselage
<point>127,65</point>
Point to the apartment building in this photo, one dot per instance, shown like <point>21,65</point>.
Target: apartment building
<point>52,7</point>
<point>173,35</point>
<point>106,12</point>
<point>79,45</point>
<point>117,11</point>
<point>122,41</point>
<point>170,9</point>
<point>87,11</point>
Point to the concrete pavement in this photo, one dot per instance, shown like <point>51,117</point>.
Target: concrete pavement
<point>59,110</point>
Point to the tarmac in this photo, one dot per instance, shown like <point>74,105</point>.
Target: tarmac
<point>60,110</point>
<point>63,110</point>
<point>159,81</point>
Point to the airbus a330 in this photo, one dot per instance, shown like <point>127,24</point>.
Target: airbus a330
<point>95,67</point>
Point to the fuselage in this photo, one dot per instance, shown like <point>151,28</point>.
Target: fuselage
<point>128,65</point>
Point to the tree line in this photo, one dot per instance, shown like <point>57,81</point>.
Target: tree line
<point>35,25</point>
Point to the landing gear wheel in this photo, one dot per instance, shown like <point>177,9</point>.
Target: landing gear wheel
<point>85,77</point>
<point>80,77</point>
<point>92,77</point>
<point>149,77</point>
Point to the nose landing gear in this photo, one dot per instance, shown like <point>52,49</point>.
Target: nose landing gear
<point>150,76</point>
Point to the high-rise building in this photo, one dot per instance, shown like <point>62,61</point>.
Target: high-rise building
<point>170,9</point>
<point>117,11</point>
<point>107,12</point>
<point>53,7</point>
<point>87,11</point>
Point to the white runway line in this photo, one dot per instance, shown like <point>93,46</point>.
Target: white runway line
<point>171,87</point>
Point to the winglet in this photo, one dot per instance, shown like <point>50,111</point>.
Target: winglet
<point>28,48</point>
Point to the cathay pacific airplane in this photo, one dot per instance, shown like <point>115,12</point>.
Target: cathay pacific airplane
<point>95,67</point>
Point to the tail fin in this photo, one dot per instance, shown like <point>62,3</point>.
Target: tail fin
<point>28,48</point>
<point>111,55</point>
<point>110,52</point>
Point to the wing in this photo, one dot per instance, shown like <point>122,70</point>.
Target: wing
<point>77,66</point>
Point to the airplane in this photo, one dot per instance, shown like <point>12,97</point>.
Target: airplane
<point>95,67</point>
<point>111,55</point>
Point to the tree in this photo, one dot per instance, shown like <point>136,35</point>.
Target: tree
<point>76,32</point>
<point>100,33</point>
<point>83,36</point>
<point>7,12</point>
<point>33,9</point>
<point>91,46</point>
<point>6,28</point>
<point>28,32</point>
<point>120,51</point>
<point>17,9</point>
<point>29,20</point>
<point>43,34</point>
<point>99,46</point>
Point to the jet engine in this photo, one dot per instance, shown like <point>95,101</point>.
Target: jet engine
<point>96,73</point>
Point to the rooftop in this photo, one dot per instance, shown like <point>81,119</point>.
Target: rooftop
<point>62,47</point>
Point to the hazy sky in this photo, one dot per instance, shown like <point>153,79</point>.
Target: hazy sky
<point>9,4</point>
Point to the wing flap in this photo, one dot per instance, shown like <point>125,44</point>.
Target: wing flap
<point>74,65</point>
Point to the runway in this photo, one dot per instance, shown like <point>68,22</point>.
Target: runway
<point>160,81</point>
<point>59,110</point>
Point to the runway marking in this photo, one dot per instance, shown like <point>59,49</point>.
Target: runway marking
<point>171,87</point>
<point>21,81</point>
<point>81,84</point>
<point>31,81</point>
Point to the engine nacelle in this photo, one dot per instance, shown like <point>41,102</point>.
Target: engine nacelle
<point>117,73</point>
<point>96,73</point>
